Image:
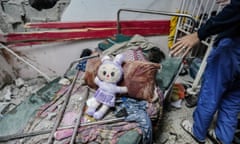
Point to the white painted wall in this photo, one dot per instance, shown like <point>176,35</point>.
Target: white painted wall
<point>52,59</point>
<point>91,10</point>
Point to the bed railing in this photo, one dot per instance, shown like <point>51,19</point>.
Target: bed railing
<point>192,21</point>
<point>184,19</point>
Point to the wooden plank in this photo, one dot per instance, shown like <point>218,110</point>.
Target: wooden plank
<point>84,30</point>
<point>54,35</point>
<point>78,34</point>
<point>71,25</point>
<point>129,32</point>
<point>98,24</point>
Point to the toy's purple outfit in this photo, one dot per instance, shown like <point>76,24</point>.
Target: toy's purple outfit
<point>106,92</point>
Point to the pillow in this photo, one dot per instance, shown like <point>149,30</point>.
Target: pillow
<point>134,54</point>
<point>139,77</point>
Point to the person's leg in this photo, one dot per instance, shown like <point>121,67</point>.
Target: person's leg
<point>230,105</point>
<point>227,115</point>
<point>218,74</point>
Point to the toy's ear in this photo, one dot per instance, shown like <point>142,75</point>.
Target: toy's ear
<point>119,59</point>
<point>105,58</point>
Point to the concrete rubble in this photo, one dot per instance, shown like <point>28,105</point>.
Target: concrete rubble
<point>14,14</point>
<point>14,20</point>
<point>13,94</point>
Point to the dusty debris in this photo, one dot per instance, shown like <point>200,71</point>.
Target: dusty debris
<point>5,94</point>
<point>13,94</point>
<point>19,82</point>
<point>51,115</point>
<point>6,71</point>
<point>15,13</point>
<point>3,107</point>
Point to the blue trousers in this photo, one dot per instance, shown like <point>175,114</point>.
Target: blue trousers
<point>220,92</point>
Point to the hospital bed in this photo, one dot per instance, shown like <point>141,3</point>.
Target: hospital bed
<point>133,120</point>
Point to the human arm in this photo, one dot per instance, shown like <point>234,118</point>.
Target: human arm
<point>224,20</point>
<point>227,19</point>
<point>185,43</point>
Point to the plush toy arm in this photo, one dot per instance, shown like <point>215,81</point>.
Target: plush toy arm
<point>97,80</point>
<point>122,89</point>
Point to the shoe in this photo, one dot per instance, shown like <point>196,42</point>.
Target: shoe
<point>187,127</point>
<point>236,139</point>
<point>212,136</point>
<point>191,101</point>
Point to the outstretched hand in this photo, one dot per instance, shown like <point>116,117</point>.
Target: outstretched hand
<point>185,44</point>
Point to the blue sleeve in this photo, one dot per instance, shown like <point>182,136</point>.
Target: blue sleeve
<point>224,20</point>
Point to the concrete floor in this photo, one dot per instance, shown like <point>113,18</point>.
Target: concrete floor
<point>170,131</point>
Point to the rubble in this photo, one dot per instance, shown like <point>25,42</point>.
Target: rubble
<point>19,82</point>
<point>15,13</point>
<point>5,94</point>
<point>13,94</point>
<point>3,107</point>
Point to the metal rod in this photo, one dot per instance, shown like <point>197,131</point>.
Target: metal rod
<point>178,21</point>
<point>95,123</point>
<point>152,12</point>
<point>195,9</point>
<point>85,95</point>
<point>211,10</point>
<point>54,101</point>
<point>201,69</point>
<point>78,60</point>
<point>200,6</point>
<point>26,62</point>
<point>22,135</point>
<point>41,132</point>
<point>50,139</point>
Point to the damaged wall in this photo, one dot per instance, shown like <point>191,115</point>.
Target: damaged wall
<point>13,15</point>
<point>54,58</point>
<point>6,72</point>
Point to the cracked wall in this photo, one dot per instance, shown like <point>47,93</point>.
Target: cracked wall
<point>13,16</point>
<point>15,13</point>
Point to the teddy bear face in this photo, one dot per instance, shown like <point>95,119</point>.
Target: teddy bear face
<point>109,72</point>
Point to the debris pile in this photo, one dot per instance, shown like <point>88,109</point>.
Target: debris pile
<point>13,94</point>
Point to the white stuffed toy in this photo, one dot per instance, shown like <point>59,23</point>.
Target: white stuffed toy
<point>108,75</point>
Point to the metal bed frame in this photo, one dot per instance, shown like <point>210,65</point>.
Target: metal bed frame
<point>191,27</point>
<point>70,89</point>
<point>200,10</point>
